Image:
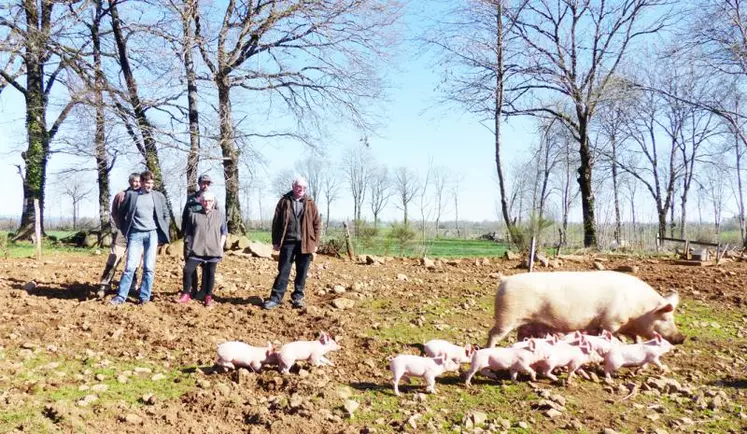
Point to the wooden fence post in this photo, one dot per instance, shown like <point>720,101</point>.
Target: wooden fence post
<point>348,244</point>
<point>37,229</point>
<point>531,254</point>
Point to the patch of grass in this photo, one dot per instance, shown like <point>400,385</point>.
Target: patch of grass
<point>695,318</point>
<point>66,389</point>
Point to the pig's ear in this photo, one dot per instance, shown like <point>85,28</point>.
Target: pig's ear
<point>673,299</point>
<point>665,308</point>
<point>440,359</point>
<point>532,345</point>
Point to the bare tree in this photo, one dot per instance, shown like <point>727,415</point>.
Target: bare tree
<point>476,57</point>
<point>406,186</point>
<point>571,50</point>
<point>312,168</point>
<point>330,184</point>
<point>441,179</point>
<point>424,202</point>
<point>314,56</point>
<point>281,182</point>
<point>77,189</point>
<point>34,29</point>
<point>716,191</point>
<point>379,191</point>
<point>145,141</point>
<point>454,191</point>
<point>356,165</point>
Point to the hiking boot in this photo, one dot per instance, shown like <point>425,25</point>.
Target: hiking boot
<point>116,301</point>
<point>142,302</point>
<point>297,304</point>
<point>209,301</point>
<point>184,298</point>
<point>270,304</point>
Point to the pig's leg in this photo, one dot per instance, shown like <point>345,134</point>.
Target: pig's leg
<point>396,385</point>
<point>468,378</point>
<point>488,373</point>
<point>662,367</point>
<point>431,381</point>
<point>323,360</point>
<point>548,373</point>
<point>255,365</point>
<point>225,364</point>
<point>285,365</point>
<point>497,333</point>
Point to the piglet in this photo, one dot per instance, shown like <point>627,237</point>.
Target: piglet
<point>406,366</point>
<point>514,360</point>
<point>602,344</point>
<point>561,354</point>
<point>235,354</point>
<point>312,351</point>
<point>636,355</point>
<point>438,347</point>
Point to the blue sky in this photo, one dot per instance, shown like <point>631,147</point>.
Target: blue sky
<point>415,130</point>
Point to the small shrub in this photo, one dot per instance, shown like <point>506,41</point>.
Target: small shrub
<point>403,235</point>
<point>365,233</point>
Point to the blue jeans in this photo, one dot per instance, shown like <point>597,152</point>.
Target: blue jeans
<point>137,242</point>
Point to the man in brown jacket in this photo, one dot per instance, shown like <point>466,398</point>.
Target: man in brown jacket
<point>296,232</point>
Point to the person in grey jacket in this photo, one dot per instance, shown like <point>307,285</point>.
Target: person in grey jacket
<point>204,236</point>
<point>144,218</point>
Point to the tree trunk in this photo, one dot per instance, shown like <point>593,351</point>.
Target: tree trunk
<point>102,159</point>
<point>404,205</point>
<point>615,192</point>
<point>740,195</point>
<point>230,156</point>
<point>662,214</point>
<point>499,89</point>
<point>671,216</point>
<point>584,182</point>
<point>150,154</point>
<point>37,154</point>
<point>193,158</point>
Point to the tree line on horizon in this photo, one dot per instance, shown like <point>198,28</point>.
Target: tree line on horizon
<point>630,98</point>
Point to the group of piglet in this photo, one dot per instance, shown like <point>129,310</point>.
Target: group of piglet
<point>235,354</point>
<point>529,356</point>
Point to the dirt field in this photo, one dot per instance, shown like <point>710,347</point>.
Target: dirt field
<point>73,364</point>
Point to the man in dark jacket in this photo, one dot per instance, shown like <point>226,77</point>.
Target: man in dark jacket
<point>144,218</point>
<point>119,241</point>
<point>296,232</point>
<point>194,204</point>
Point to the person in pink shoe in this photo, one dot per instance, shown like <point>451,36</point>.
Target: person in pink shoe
<point>204,238</point>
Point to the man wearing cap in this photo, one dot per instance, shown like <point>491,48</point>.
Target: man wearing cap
<point>194,204</point>
<point>296,232</point>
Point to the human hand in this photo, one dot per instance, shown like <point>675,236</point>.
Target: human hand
<point>276,247</point>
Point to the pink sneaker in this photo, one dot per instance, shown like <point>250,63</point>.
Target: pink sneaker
<point>209,301</point>
<point>185,298</point>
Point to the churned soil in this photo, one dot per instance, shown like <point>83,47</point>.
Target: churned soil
<point>70,362</point>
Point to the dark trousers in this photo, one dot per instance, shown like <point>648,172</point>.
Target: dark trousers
<point>290,252</point>
<point>194,273</point>
<point>208,275</point>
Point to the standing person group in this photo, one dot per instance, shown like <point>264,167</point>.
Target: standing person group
<point>141,217</point>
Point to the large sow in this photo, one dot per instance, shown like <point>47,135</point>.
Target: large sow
<point>583,300</point>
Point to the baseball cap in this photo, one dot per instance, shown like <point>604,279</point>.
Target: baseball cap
<point>204,178</point>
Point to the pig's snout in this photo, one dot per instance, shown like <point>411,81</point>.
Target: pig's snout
<point>676,338</point>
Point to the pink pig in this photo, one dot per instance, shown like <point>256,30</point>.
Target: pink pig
<point>602,344</point>
<point>561,354</point>
<point>235,354</point>
<point>438,347</point>
<point>636,355</point>
<point>312,351</point>
<point>406,366</point>
<point>514,360</point>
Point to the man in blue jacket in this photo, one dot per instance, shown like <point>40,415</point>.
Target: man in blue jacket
<point>144,216</point>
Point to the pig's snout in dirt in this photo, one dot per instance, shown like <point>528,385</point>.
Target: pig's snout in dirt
<point>676,339</point>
